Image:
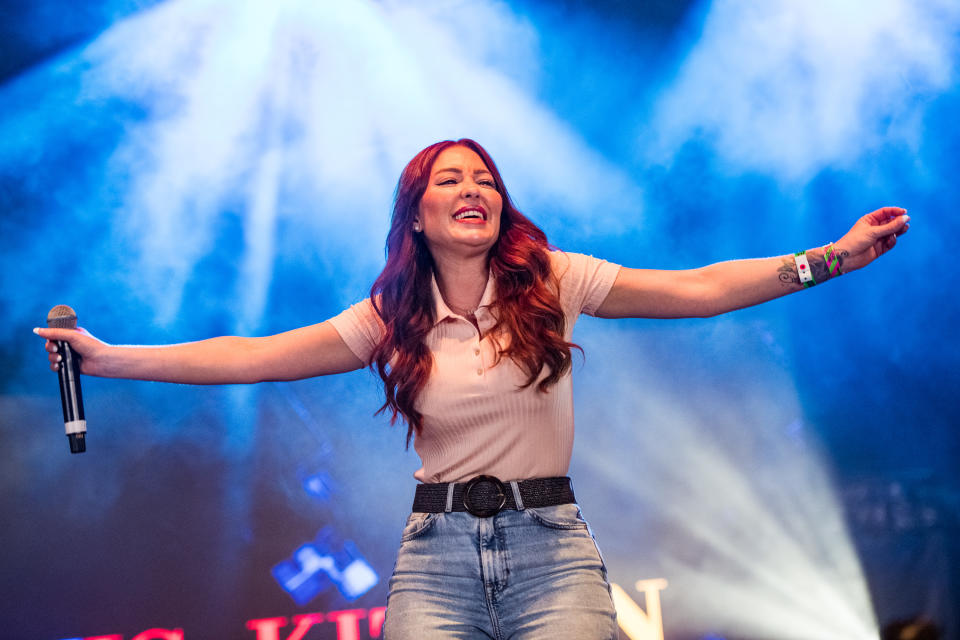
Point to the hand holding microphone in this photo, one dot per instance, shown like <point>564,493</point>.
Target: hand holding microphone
<point>65,359</point>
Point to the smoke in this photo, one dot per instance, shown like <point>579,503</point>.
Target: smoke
<point>701,470</point>
<point>307,112</point>
<point>787,88</point>
<point>236,161</point>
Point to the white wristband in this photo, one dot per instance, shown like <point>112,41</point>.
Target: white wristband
<point>803,269</point>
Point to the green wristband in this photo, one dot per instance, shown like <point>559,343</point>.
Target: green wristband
<point>833,263</point>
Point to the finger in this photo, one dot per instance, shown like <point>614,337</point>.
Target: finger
<point>885,214</point>
<point>55,334</point>
<point>54,358</point>
<point>51,346</point>
<point>893,226</point>
<point>893,212</point>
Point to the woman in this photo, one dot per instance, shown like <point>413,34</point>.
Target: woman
<point>469,327</point>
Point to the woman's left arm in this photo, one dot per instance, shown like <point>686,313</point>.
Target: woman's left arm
<point>726,286</point>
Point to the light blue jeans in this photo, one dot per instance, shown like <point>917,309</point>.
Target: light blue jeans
<point>533,574</point>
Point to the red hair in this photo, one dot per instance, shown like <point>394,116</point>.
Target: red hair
<point>527,307</point>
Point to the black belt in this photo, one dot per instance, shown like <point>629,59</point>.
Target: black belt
<point>485,496</point>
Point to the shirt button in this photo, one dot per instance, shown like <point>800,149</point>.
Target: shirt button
<point>479,372</point>
<point>476,352</point>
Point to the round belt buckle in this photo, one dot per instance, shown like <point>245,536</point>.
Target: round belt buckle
<point>479,511</point>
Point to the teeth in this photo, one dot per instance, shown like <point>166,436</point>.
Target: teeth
<point>467,214</point>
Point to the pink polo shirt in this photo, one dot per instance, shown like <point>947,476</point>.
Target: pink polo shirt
<point>476,419</point>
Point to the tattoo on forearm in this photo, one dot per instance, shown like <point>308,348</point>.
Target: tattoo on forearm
<point>788,271</point>
<point>818,265</point>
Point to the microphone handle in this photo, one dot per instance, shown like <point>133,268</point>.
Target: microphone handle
<point>71,397</point>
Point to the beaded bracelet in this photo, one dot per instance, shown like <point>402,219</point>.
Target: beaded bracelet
<point>803,269</point>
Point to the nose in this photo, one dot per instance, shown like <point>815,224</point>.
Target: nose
<point>470,189</point>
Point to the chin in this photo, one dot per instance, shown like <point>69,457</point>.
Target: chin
<point>484,244</point>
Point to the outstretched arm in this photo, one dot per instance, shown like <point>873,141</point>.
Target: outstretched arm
<point>726,286</point>
<point>302,353</point>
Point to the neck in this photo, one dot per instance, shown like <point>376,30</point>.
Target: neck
<point>462,281</point>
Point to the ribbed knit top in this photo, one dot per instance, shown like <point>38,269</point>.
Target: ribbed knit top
<point>476,418</point>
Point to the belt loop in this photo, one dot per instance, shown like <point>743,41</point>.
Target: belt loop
<point>516,494</point>
<point>450,487</point>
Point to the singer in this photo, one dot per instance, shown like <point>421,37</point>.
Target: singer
<point>469,326</point>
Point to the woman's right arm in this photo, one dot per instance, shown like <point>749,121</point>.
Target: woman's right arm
<point>301,353</point>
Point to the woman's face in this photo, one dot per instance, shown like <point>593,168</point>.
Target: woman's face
<point>460,210</point>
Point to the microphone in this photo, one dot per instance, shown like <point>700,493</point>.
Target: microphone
<point>63,317</point>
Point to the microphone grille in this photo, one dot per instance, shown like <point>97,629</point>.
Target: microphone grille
<point>62,317</point>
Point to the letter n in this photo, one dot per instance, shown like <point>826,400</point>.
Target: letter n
<point>636,623</point>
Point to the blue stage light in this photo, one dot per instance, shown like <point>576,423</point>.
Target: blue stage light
<point>319,486</point>
<point>314,566</point>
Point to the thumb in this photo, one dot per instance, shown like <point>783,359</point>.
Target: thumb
<point>893,226</point>
<point>57,334</point>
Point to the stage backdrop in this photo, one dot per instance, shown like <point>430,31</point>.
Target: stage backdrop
<point>181,169</point>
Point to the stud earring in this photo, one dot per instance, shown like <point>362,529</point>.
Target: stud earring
<point>416,226</point>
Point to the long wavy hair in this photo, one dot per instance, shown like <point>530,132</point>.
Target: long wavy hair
<point>527,307</point>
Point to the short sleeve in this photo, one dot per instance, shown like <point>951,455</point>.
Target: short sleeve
<point>361,329</point>
<point>584,281</point>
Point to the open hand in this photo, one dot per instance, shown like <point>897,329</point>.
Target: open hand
<point>872,236</point>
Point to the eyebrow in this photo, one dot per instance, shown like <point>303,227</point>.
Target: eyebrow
<point>455,170</point>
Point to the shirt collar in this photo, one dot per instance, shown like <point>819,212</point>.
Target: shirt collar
<point>441,311</point>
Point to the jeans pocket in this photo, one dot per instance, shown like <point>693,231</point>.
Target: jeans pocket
<point>417,524</point>
<point>561,516</point>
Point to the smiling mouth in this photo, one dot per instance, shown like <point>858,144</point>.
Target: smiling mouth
<point>470,214</point>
